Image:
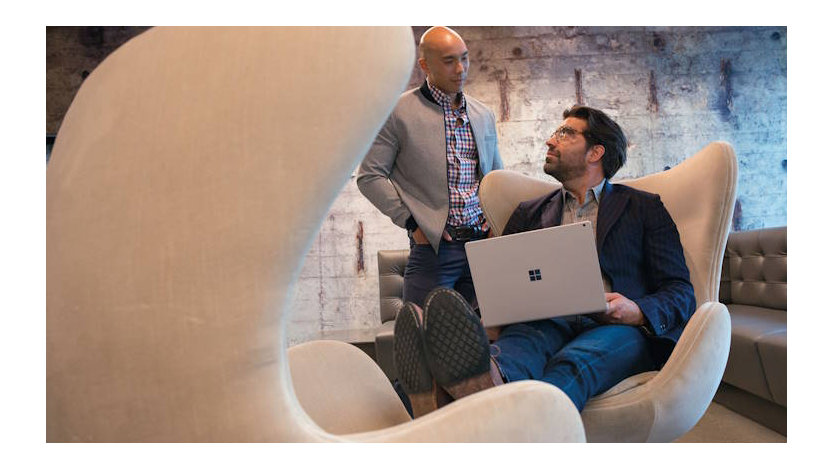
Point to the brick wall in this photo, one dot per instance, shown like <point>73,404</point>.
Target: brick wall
<point>672,89</point>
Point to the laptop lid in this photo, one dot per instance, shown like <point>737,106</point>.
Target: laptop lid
<point>538,274</point>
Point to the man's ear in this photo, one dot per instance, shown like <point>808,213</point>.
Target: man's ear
<point>423,66</point>
<point>595,153</point>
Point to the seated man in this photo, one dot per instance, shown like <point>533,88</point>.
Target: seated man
<point>443,346</point>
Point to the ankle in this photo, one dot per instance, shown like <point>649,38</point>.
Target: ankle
<point>495,373</point>
<point>471,385</point>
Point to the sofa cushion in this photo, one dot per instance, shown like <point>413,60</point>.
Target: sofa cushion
<point>750,325</point>
<point>755,270</point>
<point>773,350</point>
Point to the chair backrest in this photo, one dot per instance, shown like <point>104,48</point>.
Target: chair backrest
<point>501,192</point>
<point>699,194</point>
<point>186,184</point>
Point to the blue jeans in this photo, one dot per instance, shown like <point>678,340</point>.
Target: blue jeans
<point>580,356</point>
<point>426,270</point>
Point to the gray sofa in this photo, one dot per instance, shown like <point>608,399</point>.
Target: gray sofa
<point>754,289</point>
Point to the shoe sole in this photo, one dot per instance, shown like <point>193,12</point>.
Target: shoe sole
<point>409,355</point>
<point>456,343</point>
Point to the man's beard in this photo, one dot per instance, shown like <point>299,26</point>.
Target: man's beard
<point>563,171</point>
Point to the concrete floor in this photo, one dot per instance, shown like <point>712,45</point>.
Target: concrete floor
<point>720,424</point>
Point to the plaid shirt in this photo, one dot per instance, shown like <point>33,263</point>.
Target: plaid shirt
<point>461,164</point>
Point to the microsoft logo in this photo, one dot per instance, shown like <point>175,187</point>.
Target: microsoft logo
<point>535,275</point>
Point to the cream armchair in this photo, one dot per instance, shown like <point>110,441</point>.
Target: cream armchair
<point>186,184</point>
<point>661,406</point>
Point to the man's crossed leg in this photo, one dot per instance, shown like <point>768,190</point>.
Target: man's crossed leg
<point>442,353</point>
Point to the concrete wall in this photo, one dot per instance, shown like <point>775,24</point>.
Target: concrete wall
<point>672,89</point>
<point>72,52</point>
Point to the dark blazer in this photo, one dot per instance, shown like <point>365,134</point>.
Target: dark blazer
<point>639,251</point>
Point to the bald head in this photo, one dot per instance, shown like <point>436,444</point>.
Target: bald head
<point>437,37</point>
<point>444,59</point>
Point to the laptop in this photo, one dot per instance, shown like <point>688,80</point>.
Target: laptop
<point>539,274</point>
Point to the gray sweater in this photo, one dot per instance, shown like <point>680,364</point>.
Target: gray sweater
<point>404,173</point>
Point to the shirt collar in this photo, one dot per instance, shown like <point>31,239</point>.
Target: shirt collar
<point>443,98</point>
<point>596,191</point>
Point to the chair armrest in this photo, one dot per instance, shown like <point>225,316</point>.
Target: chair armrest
<point>525,411</point>
<point>341,388</point>
<point>672,402</point>
<point>688,382</point>
<point>367,409</point>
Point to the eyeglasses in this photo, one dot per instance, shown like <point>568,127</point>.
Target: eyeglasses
<point>563,132</point>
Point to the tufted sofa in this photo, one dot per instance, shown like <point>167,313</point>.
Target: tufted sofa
<point>754,289</point>
<point>391,265</point>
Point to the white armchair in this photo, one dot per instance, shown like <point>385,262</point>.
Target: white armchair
<point>661,406</point>
<point>186,184</point>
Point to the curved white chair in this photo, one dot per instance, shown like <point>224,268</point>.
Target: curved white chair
<point>661,406</point>
<point>186,184</point>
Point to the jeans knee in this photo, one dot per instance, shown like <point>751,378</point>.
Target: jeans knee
<point>530,329</point>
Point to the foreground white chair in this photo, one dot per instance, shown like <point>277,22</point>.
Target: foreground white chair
<point>186,184</point>
<point>661,406</point>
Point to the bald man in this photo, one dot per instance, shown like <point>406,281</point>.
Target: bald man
<point>424,168</point>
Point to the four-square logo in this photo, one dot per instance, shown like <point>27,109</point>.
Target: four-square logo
<point>535,275</point>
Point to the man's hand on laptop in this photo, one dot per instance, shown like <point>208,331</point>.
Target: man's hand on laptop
<point>621,310</point>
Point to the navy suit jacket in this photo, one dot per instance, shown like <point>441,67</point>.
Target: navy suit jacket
<point>639,251</point>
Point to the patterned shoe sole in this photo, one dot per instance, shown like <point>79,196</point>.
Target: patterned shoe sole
<point>409,356</point>
<point>456,343</point>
